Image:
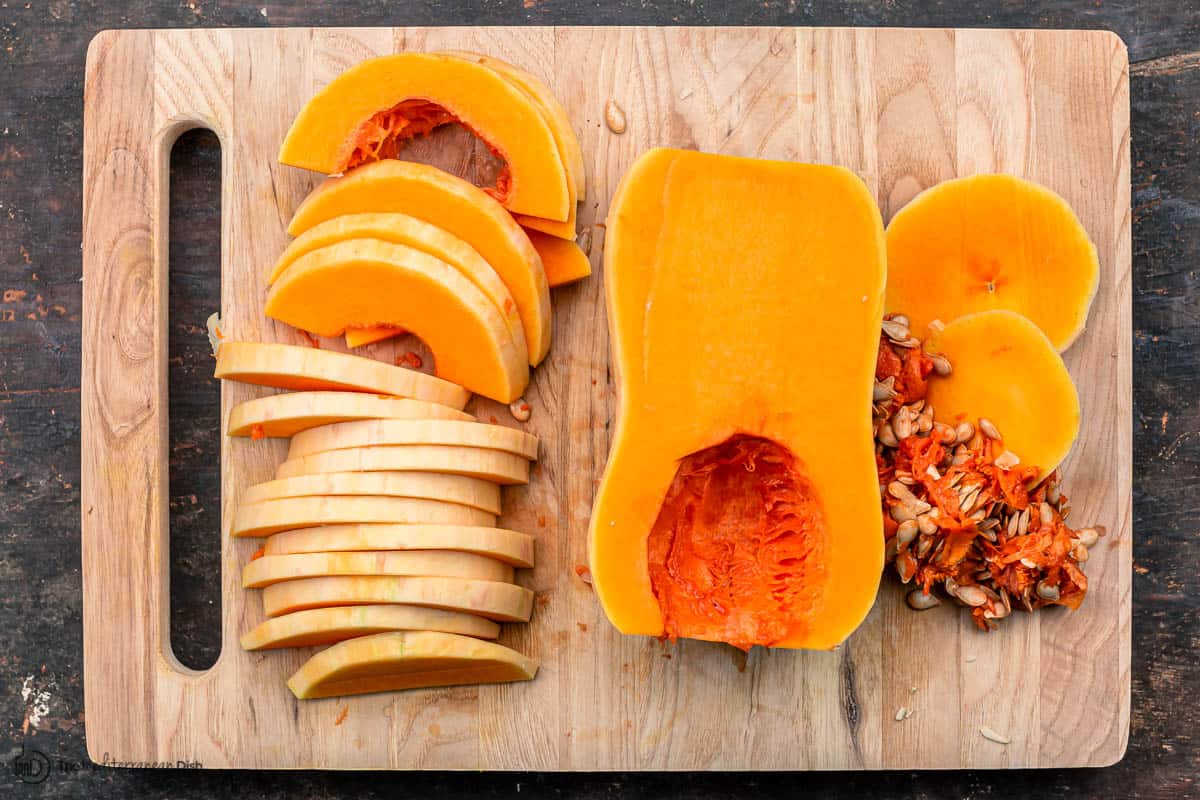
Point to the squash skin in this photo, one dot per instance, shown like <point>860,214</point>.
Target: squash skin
<point>1026,252</point>
<point>503,115</point>
<point>1007,370</point>
<point>692,373</point>
<point>457,207</point>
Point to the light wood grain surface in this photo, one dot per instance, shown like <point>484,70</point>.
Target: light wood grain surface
<point>903,108</point>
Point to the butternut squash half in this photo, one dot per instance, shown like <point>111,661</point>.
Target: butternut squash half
<point>371,109</point>
<point>457,207</point>
<point>563,261</point>
<point>992,241</point>
<point>1008,371</point>
<point>368,281</point>
<point>740,502</point>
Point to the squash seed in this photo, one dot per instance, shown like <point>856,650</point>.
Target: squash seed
<point>614,116</point>
<point>963,432</point>
<point>906,532</point>
<point>991,735</point>
<point>941,364</point>
<point>1006,460</point>
<point>989,428</point>
<point>1047,591</point>
<point>895,330</point>
<point>920,600</point>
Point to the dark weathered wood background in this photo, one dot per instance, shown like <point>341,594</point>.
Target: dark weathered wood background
<point>41,704</point>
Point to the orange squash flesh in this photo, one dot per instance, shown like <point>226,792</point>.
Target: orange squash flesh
<point>992,242</point>
<point>457,207</point>
<point>495,600</point>
<point>286,414</point>
<point>361,337</point>
<point>377,432</point>
<point>563,260</point>
<point>288,513</point>
<point>270,570</point>
<point>371,105</point>
<point>1007,370</point>
<point>744,303</point>
<point>319,626</point>
<point>368,281</point>
<point>460,489</point>
<point>511,547</point>
<point>476,462</point>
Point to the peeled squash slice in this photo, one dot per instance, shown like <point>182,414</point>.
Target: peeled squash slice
<point>489,465</point>
<point>367,433</point>
<point>268,570</point>
<point>1008,371</point>
<point>563,261</point>
<point>510,547</point>
<point>285,415</point>
<point>360,337</point>
<point>740,502</point>
<point>286,366</point>
<point>269,516</point>
<point>503,602</point>
<point>368,281</point>
<point>459,489</point>
<point>318,626</point>
<point>992,242</point>
<point>455,206</point>
<point>331,127</point>
<point>389,662</point>
<point>408,230</point>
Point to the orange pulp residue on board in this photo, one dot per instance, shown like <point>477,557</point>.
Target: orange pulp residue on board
<point>737,552</point>
<point>385,134</point>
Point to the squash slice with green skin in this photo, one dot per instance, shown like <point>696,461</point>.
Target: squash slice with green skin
<point>388,662</point>
<point>271,516</point>
<point>286,366</point>
<point>460,489</point>
<point>476,462</point>
<point>373,432</point>
<point>320,626</point>
<point>284,415</point>
<point>495,600</point>
<point>511,547</point>
<point>457,207</point>
<point>330,131</point>
<point>268,570</point>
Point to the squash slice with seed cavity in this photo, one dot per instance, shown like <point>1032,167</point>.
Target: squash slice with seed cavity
<point>388,662</point>
<point>284,415</point>
<point>364,282</point>
<point>496,600</point>
<point>563,260</point>
<point>372,432</point>
<point>371,109</point>
<point>511,547</point>
<point>286,366</point>
<point>489,465</point>
<point>270,516</point>
<point>460,489</point>
<point>457,207</point>
<point>318,626</point>
<point>268,570</point>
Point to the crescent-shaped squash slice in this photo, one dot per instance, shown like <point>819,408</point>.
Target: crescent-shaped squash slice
<point>371,432</point>
<point>368,281</point>
<point>371,109</point>
<point>454,205</point>
<point>563,261</point>
<point>286,513</point>
<point>318,626</point>
<point>267,570</point>
<point>284,415</point>
<point>408,230</point>
<point>511,547</point>
<point>460,489</point>
<point>992,241</point>
<point>388,662</point>
<point>740,502</point>
<point>503,602</point>
<point>490,465</point>
<point>1007,371</point>
<point>286,366</point>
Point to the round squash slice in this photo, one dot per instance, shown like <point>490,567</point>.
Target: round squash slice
<point>269,516</point>
<point>371,109</point>
<point>496,600</point>
<point>476,462</point>
<point>992,242</point>
<point>454,205</point>
<point>268,570</point>
<point>1007,371</point>
<point>388,662</point>
<point>511,547</point>
<point>318,626</point>
<point>430,486</point>
<point>367,282</point>
<point>285,415</point>
<point>367,433</point>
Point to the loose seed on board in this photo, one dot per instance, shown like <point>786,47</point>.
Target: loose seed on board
<point>1088,537</point>
<point>614,117</point>
<point>989,429</point>
<point>971,595</point>
<point>920,600</point>
<point>991,735</point>
<point>520,410</point>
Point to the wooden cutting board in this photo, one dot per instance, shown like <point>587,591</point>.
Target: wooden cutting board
<point>904,108</point>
